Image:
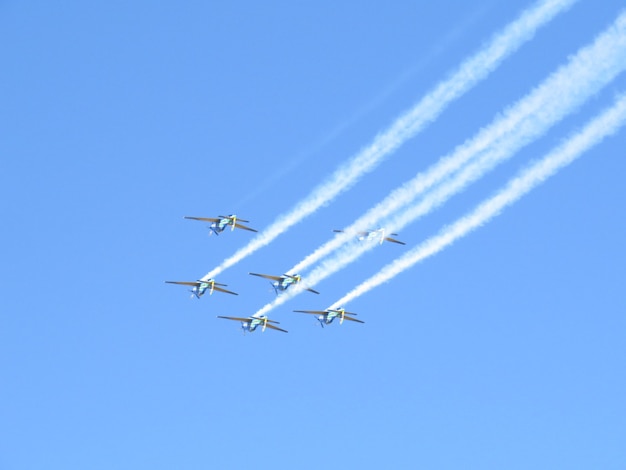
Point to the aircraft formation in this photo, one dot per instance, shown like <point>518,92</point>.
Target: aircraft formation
<point>280,283</point>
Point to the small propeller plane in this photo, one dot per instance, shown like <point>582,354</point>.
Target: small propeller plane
<point>284,281</point>
<point>326,317</point>
<point>252,322</point>
<point>219,224</point>
<point>378,234</point>
<point>199,288</point>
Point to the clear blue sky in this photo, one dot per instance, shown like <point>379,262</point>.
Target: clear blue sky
<point>119,118</point>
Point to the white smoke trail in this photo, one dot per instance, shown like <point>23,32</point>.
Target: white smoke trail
<point>601,127</point>
<point>588,71</point>
<point>567,88</point>
<point>470,72</point>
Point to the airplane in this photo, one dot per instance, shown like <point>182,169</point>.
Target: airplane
<point>219,224</point>
<point>252,322</point>
<point>199,288</point>
<point>327,316</point>
<point>284,281</point>
<point>378,234</point>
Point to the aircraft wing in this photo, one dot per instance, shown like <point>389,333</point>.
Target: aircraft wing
<point>245,228</point>
<point>339,311</point>
<point>360,234</point>
<point>267,276</point>
<point>268,325</point>
<point>264,319</point>
<point>297,280</point>
<point>236,318</point>
<point>224,290</point>
<point>313,312</point>
<point>393,240</point>
<point>203,219</point>
<point>346,317</point>
<point>184,283</point>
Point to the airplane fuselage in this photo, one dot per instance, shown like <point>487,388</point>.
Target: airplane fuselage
<point>251,325</point>
<point>198,291</point>
<point>376,235</point>
<point>201,289</point>
<point>284,283</point>
<point>219,227</point>
<point>327,318</point>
